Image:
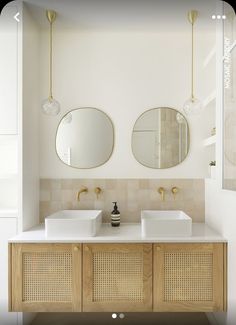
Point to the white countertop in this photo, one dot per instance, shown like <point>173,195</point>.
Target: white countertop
<point>126,233</point>
<point>8,213</point>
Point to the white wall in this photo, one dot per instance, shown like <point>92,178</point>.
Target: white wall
<point>8,150</point>
<point>124,74</point>
<point>30,117</point>
<point>8,68</point>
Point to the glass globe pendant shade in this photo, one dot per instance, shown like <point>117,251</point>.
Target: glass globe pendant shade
<point>192,106</point>
<point>50,106</point>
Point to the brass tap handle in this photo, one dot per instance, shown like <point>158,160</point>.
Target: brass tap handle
<point>97,191</point>
<point>83,190</point>
<point>161,190</point>
<point>87,248</point>
<point>174,190</point>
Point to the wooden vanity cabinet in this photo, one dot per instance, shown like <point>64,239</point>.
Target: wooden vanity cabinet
<point>189,277</point>
<point>117,277</point>
<point>45,277</point>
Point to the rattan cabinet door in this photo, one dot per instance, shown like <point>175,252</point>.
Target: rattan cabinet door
<point>45,277</point>
<point>189,277</point>
<point>117,277</point>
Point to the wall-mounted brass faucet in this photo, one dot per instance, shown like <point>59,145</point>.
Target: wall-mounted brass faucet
<point>161,190</point>
<point>97,191</point>
<point>84,189</point>
<point>174,191</point>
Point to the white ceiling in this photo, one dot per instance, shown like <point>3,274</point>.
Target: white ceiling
<point>140,15</point>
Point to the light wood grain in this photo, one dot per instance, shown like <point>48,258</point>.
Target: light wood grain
<point>225,275</point>
<point>160,269</point>
<point>18,276</point>
<point>9,277</point>
<point>128,304</point>
<point>77,277</point>
<point>150,257</point>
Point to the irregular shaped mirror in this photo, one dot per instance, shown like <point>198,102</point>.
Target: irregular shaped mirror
<point>160,138</point>
<point>85,138</point>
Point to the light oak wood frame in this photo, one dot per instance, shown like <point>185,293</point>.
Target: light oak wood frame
<point>225,270</point>
<point>218,302</point>
<point>16,302</point>
<point>89,305</point>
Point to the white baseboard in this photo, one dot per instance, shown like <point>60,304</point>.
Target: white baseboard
<point>212,319</point>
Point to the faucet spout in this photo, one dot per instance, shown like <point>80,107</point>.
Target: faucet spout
<point>97,191</point>
<point>161,191</point>
<point>84,189</point>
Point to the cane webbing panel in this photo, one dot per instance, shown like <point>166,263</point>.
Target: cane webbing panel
<point>188,276</point>
<point>47,277</point>
<point>118,276</point>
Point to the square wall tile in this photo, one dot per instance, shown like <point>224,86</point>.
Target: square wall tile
<point>132,195</point>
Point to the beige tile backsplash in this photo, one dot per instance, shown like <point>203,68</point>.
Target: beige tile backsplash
<point>132,195</point>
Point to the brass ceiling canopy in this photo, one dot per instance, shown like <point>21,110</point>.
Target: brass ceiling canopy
<point>51,16</point>
<point>192,16</point>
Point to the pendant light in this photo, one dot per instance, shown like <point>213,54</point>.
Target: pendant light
<point>193,105</point>
<point>50,106</point>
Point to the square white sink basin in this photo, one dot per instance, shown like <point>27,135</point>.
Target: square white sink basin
<point>73,223</point>
<point>172,223</point>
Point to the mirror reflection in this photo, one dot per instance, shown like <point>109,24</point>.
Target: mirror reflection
<point>85,138</point>
<point>160,138</point>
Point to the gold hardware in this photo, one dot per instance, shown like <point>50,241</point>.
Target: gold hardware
<point>51,16</point>
<point>158,248</point>
<point>83,190</point>
<point>174,190</point>
<point>97,191</point>
<point>76,248</point>
<point>161,190</point>
<point>192,16</point>
<point>87,249</point>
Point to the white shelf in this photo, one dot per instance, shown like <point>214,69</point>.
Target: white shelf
<point>8,213</point>
<point>209,57</point>
<point>8,176</point>
<point>210,141</point>
<point>209,99</point>
<point>8,137</point>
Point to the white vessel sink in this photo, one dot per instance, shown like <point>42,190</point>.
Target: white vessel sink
<point>165,223</point>
<point>73,223</point>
